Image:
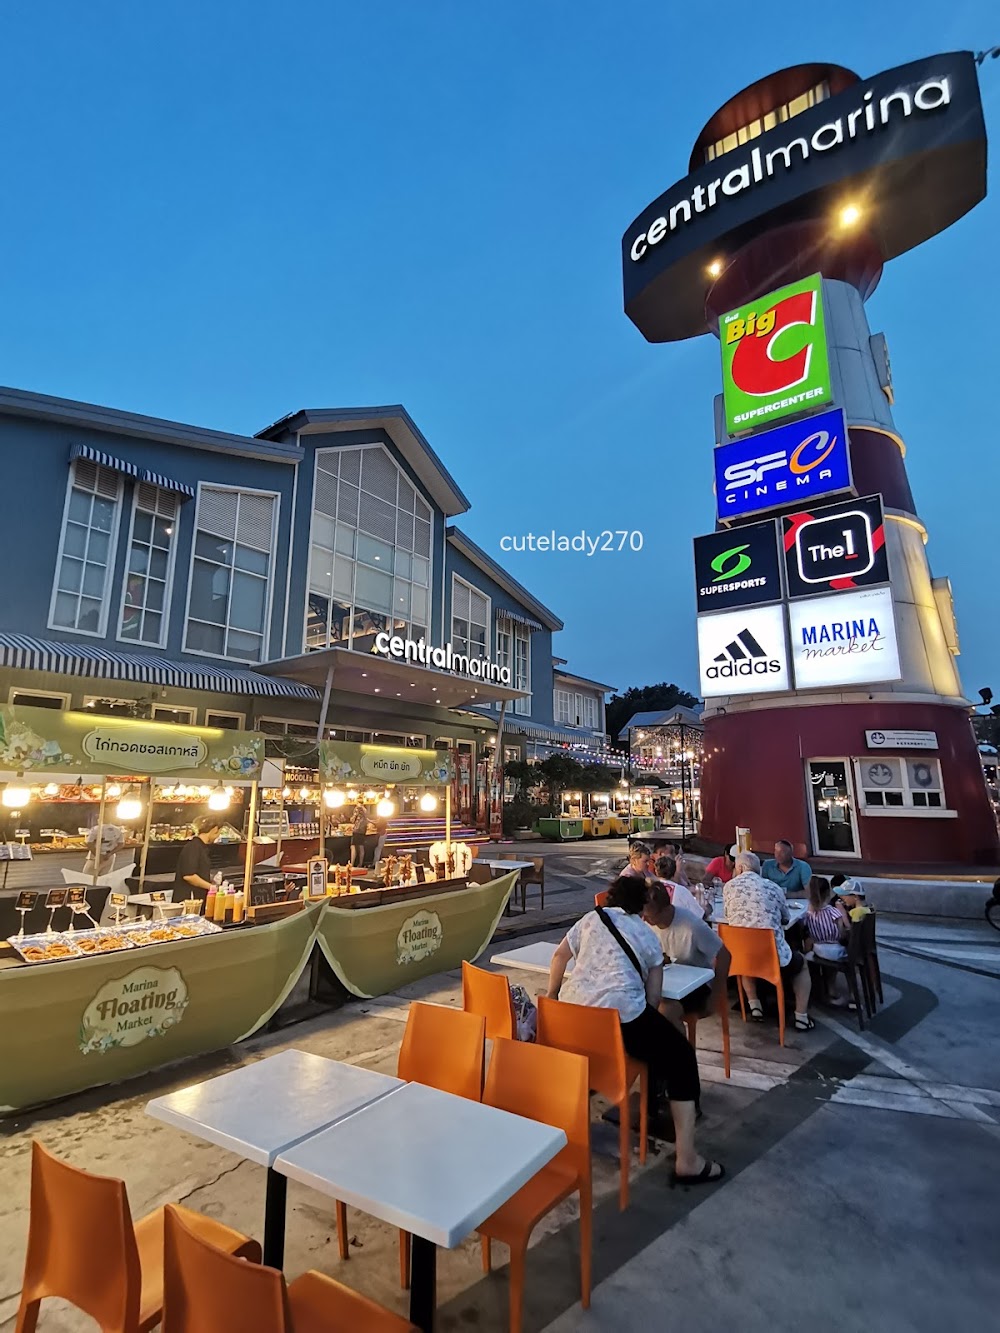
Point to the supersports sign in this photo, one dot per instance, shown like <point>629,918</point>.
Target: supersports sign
<point>774,357</point>
<point>803,460</point>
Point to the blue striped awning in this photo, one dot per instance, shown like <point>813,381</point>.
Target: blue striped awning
<point>105,460</point>
<point>512,724</point>
<point>518,617</point>
<point>168,483</point>
<point>72,659</point>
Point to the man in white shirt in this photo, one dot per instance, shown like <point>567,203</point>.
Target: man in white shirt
<point>685,938</point>
<point>751,900</point>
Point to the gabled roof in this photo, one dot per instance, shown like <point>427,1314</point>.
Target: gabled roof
<point>492,570</point>
<point>664,717</point>
<point>401,429</point>
<point>90,416</point>
<point>574,679</point>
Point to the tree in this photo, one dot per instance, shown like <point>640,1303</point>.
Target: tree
<point>560,774</point>
<point>521,774</point>
<point>645,699</point>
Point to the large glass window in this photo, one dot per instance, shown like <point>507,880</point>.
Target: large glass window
<point>146,595</point>
<point>86,558</point>
<point>893,782</point>
<point>470,619</point>
<point>229,592</point>
<point>522,668</point>
<point>370,563</point>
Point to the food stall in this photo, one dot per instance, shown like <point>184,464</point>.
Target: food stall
<point>405,920</point>
<point>83,1005</point>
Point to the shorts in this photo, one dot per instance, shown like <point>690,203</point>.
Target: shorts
<point>698,1001</point>
<point>358,840</point>
<point>793,967</point>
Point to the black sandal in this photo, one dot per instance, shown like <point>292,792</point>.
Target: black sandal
<point>704,1176</point>
<point>807,1026</point>
<point>756,1013</point>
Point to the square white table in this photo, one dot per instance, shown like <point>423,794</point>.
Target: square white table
<point>505,866</point>
<point>433,1164</point>
<point>678,979</point>
<point>262,1109</point>
<point>797,908</point>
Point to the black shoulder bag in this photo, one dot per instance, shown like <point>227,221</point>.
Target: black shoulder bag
<point>629,951</point>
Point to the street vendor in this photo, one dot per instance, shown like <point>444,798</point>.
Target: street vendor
<point>194,865</point>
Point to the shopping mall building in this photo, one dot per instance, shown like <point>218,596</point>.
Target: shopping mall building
<point>834,714</point>
<point>311,571</point>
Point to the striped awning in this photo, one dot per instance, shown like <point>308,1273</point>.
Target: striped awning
<point>72,659</point>
<point>558,734</point>
<point>168,483</point>
<point>105,460</point>
<point>518,618</point>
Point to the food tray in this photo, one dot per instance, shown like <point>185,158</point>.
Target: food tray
<point>106,939</point>
<point>141,933</point>
<point>54,948</point>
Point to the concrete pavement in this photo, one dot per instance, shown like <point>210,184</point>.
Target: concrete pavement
<point>861,1190</point>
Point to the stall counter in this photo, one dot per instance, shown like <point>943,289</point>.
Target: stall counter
<point>561,830</point>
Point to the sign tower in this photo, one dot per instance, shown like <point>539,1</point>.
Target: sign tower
<point>834,714</point>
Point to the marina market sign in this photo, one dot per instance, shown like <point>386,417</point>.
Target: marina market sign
<point>444,658</point>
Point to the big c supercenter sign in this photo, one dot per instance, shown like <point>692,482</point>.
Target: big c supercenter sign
<point>774,357</point>
<point>799,461</point>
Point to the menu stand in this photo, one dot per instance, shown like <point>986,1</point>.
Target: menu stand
<point>54,899</point>
<point>26,900</point>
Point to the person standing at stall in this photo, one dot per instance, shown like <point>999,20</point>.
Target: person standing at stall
<point>359,829</point>
<point>194,865</point>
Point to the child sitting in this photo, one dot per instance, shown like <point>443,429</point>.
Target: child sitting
<point>825,922</point>
<point>852,896</point>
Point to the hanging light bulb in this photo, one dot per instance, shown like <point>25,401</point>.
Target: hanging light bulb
<point>219,799</point>
<point>333,798</point>
<point>16,795</point>
<point>114,791</point>
<point>303,793</point>
<point>286,792</point>
<point>352,795</point>
<point>428,801</point>
<point>130,806</point>
<point>385,808</point>
<point>369,796</point>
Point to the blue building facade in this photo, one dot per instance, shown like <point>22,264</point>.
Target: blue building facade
<point>158,567</point>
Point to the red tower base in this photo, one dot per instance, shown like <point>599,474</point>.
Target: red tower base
<point>757,774</point>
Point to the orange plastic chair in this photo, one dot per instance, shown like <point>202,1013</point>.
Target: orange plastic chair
<point>122,1289</point>
<point>488,994</point>
<point>597,1034</point>
<point>444,1048</point>
<point>544,1084</point>
<point>754,953</point>
<point>691,1023</point>
<point>206,1290</point>
<point>601,899</point>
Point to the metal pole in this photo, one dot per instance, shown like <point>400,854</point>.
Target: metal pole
<point>324,709</point>
<point>248,867</point>
<point>145,838</point>
<point>630,779</point>
<point>683,789</point>
<point>495,775</point>
<point>447,819</point>
<point>100,829</point>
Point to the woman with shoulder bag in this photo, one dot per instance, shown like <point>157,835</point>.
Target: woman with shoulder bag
<point>619,965</point>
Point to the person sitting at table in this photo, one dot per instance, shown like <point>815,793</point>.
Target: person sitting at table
<point>850,893</point>
<point>680,895</point>
<point>825,920</point>
<point>640,861</point>
<point>685,938</point>
<point>619,965</point>
<point>675,850</point>
<point>721,867</point>
<point>751,900</point>
<point>783,869</point>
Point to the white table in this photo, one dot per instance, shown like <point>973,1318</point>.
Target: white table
<point>678,979</point>
<point>505,866</point>
<point>433,1164</point>
<point>797,908</point>
<point>265,1108</point>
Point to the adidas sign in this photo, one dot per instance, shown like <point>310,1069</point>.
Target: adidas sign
<point>743,657</point>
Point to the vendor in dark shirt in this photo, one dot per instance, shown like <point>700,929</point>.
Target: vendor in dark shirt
<point>194,865</point>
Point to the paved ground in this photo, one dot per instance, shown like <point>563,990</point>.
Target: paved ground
<point>862,1167</point>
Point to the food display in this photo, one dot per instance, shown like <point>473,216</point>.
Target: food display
<point>56,947</point>
<point>447,863</point>
<point>52,948</point>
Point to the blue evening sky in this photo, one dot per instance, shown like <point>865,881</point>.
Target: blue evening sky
<point>220,213</point>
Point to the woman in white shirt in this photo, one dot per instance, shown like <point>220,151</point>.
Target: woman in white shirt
<point>620,966</point>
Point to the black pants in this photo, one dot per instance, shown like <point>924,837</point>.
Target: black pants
<point>672,1063</point>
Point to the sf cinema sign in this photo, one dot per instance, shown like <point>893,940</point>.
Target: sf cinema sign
<point>774,357</point>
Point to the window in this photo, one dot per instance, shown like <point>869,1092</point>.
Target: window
<point>146,595</point>
<point>574,709</point>
<point>504,656</point>
<point>229,592</point>
<point>757,127</point>
<point>890,782</point>
<point>470,619</point>
<point>86,549</point>
<point>522,668</point>
<point>563,707</point>
<point>38,699</point>
<point>165,713</point>
<point>590,712</point>
<point>227,721</point>
<point>370,558</point>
